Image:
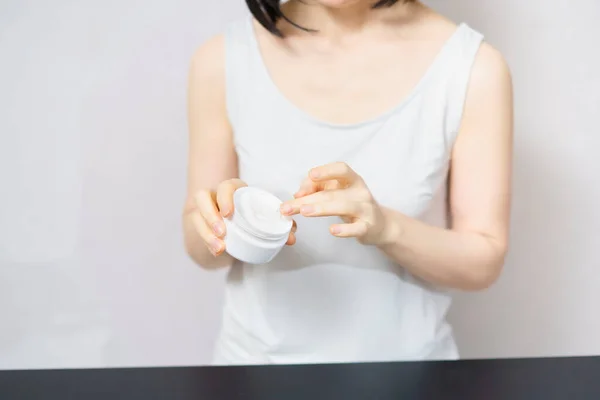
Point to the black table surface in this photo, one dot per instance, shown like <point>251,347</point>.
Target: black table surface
<point>530,379</point>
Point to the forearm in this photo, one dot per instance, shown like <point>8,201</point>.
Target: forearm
<point>443,257</point>
<point>197,250</point>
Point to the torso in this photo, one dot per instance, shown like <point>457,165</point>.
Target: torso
<point>328,299</point>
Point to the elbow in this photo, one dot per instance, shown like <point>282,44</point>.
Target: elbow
<point>486,273</point>
<point>483,279</point>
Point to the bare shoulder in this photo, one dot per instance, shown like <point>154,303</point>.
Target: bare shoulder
<point>489,104</point>
<point>206,89</point>
<point>206,82</point>
<point>490,72</point>
<point>208,61</point>
<point>490,68</point>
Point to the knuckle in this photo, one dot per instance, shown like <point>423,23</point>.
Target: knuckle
<point>207,236</point>
<point>362,227</point>
<point>225,191</point>
<point>229,186</point>
<point>358,208</point>
<point>223,186</point>
<point>329,196</point>
<point>203,198</point>
<point>332,185</point>
<point>202,194</point>
<point>202,227</point>
<point>212,217</point>
<point>363,193</point>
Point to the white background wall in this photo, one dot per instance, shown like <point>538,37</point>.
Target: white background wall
<point>92,170</point>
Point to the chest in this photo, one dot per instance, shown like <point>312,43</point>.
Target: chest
<point>346,85</point>
<point>376,112</point>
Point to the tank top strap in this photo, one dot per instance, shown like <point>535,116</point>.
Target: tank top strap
<point>239,67</point>
<point>464,52</point>
<point>243,68</point>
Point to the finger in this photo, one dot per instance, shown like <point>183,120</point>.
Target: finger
<point>225,196</point>
<point>205,202</point>
<point>331,208</point>
<point>214,244</point>
<point>355,229</point>
<point>307,187</point>
<point>292,207</point>
<point>291,239</point>
<point>339,171</point>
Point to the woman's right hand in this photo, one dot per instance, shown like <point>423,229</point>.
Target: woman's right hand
<point>211,208</point>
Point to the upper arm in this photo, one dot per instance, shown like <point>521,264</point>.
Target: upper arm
<point>480,173</point>
<point>211,157</point>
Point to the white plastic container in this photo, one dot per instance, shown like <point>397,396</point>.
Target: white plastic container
<point>257,231</point>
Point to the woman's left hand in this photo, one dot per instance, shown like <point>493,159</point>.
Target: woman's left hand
<point>337,190</point>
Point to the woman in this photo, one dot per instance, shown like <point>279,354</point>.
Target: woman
<point>374,121</point>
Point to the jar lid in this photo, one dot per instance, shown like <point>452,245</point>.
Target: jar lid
<point>258,212</point>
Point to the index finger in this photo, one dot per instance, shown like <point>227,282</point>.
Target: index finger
<point>339,171</point>
<point>292,207</point>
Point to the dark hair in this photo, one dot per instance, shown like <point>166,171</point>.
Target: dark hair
<point>268,12</point>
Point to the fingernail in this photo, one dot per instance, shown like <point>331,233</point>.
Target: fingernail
<point>286,209</point>
<point>336,230</point>
<point>307,210</point>
<point>215,244</point>
<point>314,173</point>
<point>218,229</point>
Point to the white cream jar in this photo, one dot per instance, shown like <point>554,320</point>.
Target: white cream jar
<point>257,231</point>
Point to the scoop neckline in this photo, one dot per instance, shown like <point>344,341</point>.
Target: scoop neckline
<point>293,108</point>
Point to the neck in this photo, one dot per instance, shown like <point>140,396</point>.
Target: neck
<point>333,21</point>
<point>343,21</point>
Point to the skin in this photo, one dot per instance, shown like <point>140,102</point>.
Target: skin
<point>346,73</point>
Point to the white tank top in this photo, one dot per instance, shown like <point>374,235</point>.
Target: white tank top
<point>328,299</point>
